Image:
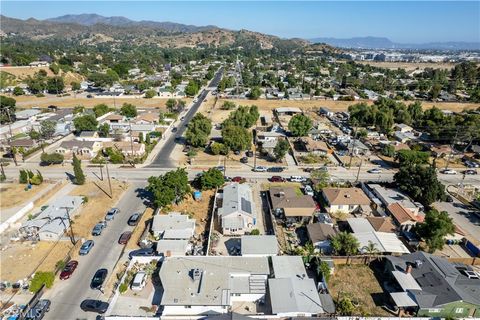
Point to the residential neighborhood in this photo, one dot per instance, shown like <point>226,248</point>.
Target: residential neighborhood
<point>159,170</point>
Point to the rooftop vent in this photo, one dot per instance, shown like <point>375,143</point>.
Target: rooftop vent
<point>196,274</point>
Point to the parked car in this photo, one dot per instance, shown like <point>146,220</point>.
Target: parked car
<point>249,153</point>
<point>471,164</point>
<point>470,171</point>
<point>227,179</point>
<point>86,247</point>
<point>111,214</point>
<point>236,152</point>
<point>220,168</point>
<point>99,278</point>
<point>37,312</point>
<point>182,118</point>
<point>375,170</point>
<point>68,270</point>
<point>124,237</point>
<point>275,169</point>
<point>134,219</point>
<point>142,253</point>
<point>139,281</point>
<point>308,190</point>
<point>94,306</point>
<point>448,171</point>
<point>174,129</point>
<point>260,169</point>
<point>98,228</point>
<point>237,179</point>
<point>298,179</point>
<point>244,160</point>
<point>449,198</point>
<point>277,179</point>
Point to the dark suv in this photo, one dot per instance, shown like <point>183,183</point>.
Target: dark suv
<point>99,278</point>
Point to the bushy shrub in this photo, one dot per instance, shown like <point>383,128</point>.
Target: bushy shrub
<point>41,278</point>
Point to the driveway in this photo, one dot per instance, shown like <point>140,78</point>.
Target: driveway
<point>463,216</point>
<point>67,295</point>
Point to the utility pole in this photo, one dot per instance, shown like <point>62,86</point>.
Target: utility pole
<point>353,144</point>
<point>109,182</point>
<point>72,236</point>
<point>358,172</point>
<point>451,149</point>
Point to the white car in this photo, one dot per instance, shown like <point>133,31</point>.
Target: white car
<point>260,169</point>
<point>374,170</point>
<point>308,191</point>
<point>449,171</point>
<point>297,179</point>
<point>139,281</point>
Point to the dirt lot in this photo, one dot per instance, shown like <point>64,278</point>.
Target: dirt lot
<point>13,194</point>
<point>359,283</point>
<point>198,210</point>
<point>137,233</point>
<point>96,207</point>
<point>71,101</point>
<point>306,105</point>
<point>19,260</point>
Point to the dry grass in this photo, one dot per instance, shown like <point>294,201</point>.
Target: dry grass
<point>14,194</point>
<point>22,73</point>
<point>137,233</point>
<point>359,284</point>
<point>313,105</point>
<point>70,101</point>
<point>96,207</point>
<point>19,260</point>
<point>198,210</point>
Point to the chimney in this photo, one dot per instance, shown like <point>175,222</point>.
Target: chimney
<point>409,268</point>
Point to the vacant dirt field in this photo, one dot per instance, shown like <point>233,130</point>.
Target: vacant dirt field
<point>14,194</point>
<point>98,204</point>
<point>19,260</point>
<point>309,105</point>
<point>358,283</point>
<point>198,210</point>
<point>71,101</point>
<point>408,66</point>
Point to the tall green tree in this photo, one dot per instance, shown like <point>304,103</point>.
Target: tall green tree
<point>281,149</point>
<point>345,243</point>
<point>55,85</point>
<point>236,138</point>
<point>198,131</point>
<point>7,109</point>
<point>211,179</point>
<point>77,171</point>
<point>168,188</point>
<point>100,109</point>
<point>244,116</point>
<point>85,123</point>
<point>299,125</point>
<point>47,129</point>
<point>420,182</point>
<point>128,110</point>
<point>434,229</point>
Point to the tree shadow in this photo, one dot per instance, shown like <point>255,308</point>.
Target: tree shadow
<point>70,177</point>
<point>145,195</point>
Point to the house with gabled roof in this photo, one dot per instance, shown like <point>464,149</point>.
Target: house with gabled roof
<point>237,213</point>
<point>346,200</point>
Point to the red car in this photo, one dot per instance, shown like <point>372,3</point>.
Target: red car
<point>237,179</point>
<point>68,270</point>
<point>124,237</point>
<point>277,179</point>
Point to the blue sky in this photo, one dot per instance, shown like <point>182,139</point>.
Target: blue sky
<point>400,21</point>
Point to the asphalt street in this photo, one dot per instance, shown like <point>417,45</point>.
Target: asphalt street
<point>66,295</point>
<point>163,160</point>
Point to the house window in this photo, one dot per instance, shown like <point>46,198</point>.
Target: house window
<point>458,310</point>
<point>340,207</point>
<point>351,207</point>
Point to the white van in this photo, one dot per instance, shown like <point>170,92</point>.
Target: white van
<point>139,281</point>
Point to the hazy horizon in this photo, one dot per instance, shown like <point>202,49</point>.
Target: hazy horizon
<point>401,22</point>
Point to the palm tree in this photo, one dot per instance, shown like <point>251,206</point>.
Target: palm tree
<point>345,243</point>
<point>371,250</point>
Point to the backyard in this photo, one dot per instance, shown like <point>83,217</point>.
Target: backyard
<point>358,282</point>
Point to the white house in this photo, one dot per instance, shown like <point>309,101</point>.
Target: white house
<point>237,214</point>
<point>346,200</point>
<point>209,285</point>
<point>173,226</point>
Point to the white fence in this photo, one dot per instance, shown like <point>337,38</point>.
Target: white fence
<point>17,216</point>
